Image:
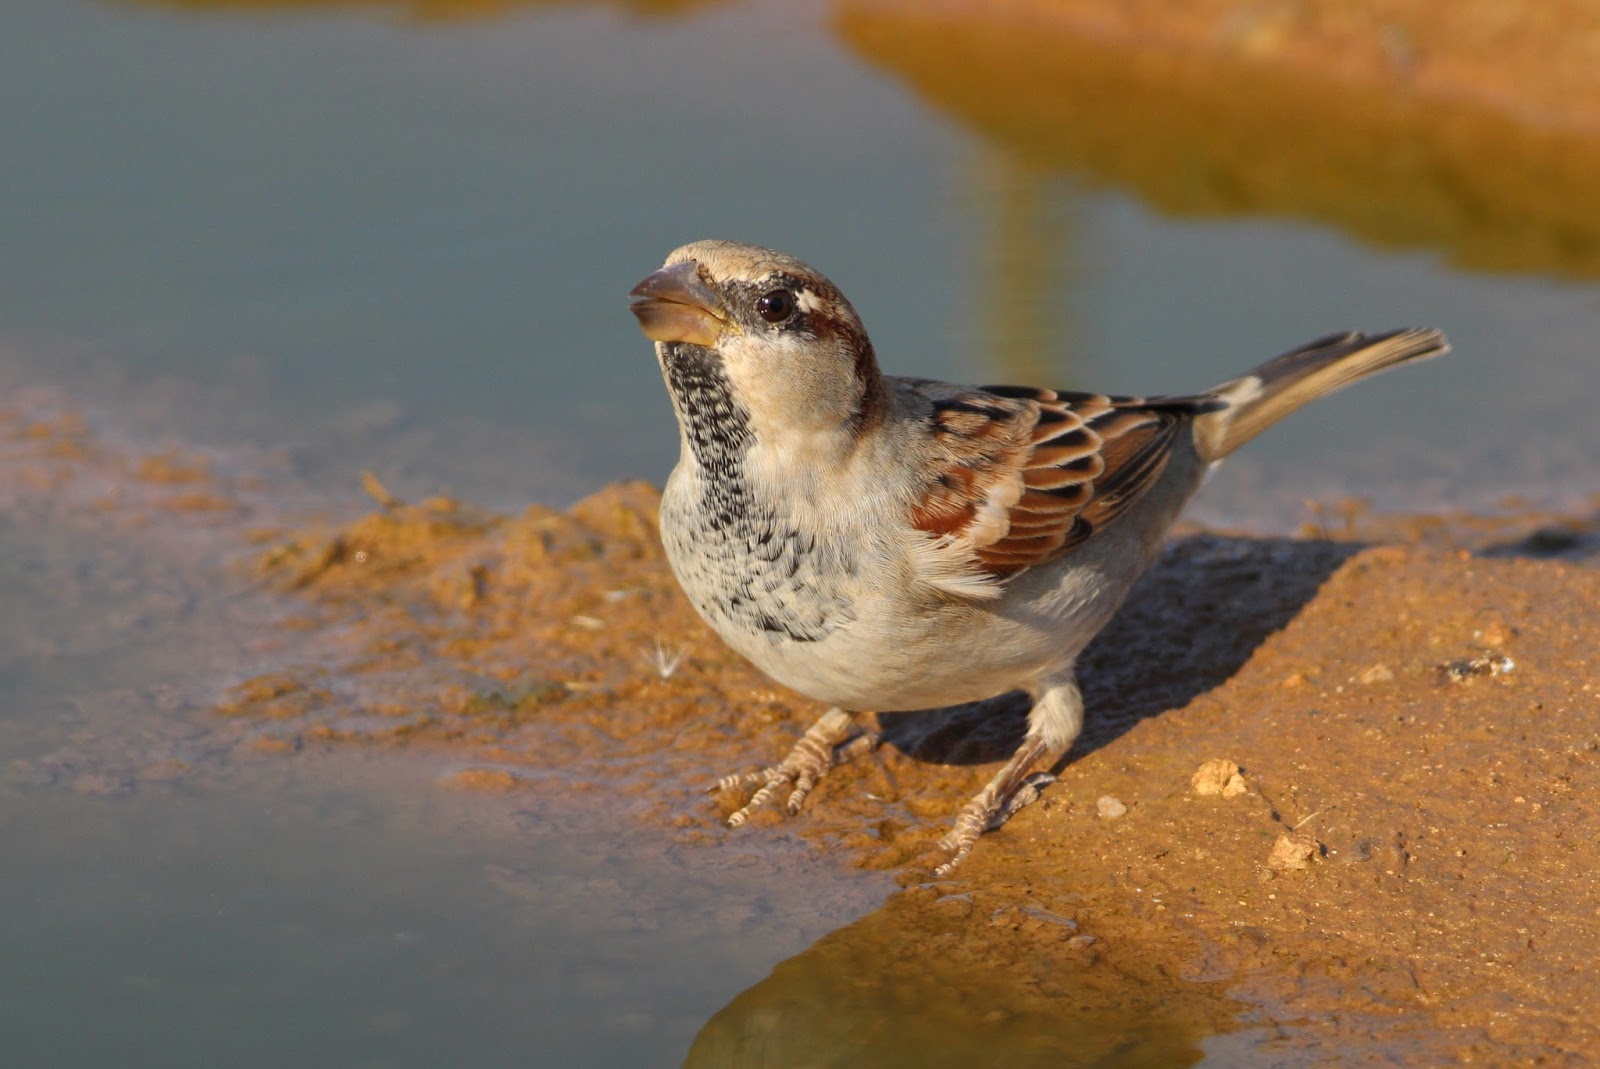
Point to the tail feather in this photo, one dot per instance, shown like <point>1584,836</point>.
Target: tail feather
<point>1256,401</point>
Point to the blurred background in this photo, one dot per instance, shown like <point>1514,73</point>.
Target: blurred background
<point>400,236</point>
<point>347,235</point>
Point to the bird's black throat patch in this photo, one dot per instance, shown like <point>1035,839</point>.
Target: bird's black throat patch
<point>754,570</point>
<point>718,426</point>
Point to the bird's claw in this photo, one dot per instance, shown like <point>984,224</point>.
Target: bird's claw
<point>826,744</point>
<point>773,780</point>
<point>986,812</point>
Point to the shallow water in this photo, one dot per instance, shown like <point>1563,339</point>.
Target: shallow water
<point>171,896</point>
<point>372,236</point>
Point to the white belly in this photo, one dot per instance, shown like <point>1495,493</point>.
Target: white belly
<point>862,633</point>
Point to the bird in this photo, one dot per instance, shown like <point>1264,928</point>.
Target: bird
<point>882,543</point>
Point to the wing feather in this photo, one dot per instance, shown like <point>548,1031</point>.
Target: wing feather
<point>1027,474</point>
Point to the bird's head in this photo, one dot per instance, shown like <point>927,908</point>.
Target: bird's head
<point>793,352</point>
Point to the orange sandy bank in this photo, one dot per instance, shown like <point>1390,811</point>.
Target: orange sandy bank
<point>1405,863</point>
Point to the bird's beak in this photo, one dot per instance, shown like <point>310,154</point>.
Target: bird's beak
<point>675,305</point>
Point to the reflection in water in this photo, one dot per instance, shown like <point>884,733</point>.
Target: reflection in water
<point>1022,289</point>
<point>1213,136</point>
<point>1201,134</point>
<point>934,983</point>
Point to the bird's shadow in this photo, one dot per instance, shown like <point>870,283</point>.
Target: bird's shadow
<point>1189,625</point>
<point>1575,540</point>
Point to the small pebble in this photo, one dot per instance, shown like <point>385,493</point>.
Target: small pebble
<point>1219,776</point>
<point>1293,850</point>
<point>1110,807</point>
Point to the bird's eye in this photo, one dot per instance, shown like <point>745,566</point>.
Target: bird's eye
<point>776,306</point>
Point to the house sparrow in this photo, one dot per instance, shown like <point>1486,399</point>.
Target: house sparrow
<point>883,543</point>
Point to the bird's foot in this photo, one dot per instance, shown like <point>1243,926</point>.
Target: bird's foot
<point>1010,790</point>
<point>827,743</point>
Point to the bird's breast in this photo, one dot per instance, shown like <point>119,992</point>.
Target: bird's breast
<point>755,575</point>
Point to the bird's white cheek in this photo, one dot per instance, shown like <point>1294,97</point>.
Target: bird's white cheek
<point>791,389</point>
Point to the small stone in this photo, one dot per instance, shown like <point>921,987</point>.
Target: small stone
<point>1218,776</point>
<point>1294,679</point>
<point>1109,807</point>
<point>1378,673</point>
<point>1294,850</point>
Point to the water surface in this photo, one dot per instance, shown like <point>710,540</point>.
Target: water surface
<point>171,894</point>
<point>400,237</point>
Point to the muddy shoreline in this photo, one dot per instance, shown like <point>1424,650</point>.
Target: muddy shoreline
<point>1416,714</point>
<point>1404,864</point>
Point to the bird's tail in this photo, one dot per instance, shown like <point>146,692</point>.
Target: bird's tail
<point>1254,402</point>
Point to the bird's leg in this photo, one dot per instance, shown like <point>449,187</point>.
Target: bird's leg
<point>1053,723</point>
<point>826,743</point>
<point>1010,790</point>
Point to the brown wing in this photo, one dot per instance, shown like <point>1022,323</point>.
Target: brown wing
<point>984,442</point>
<point>1031,473</point>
